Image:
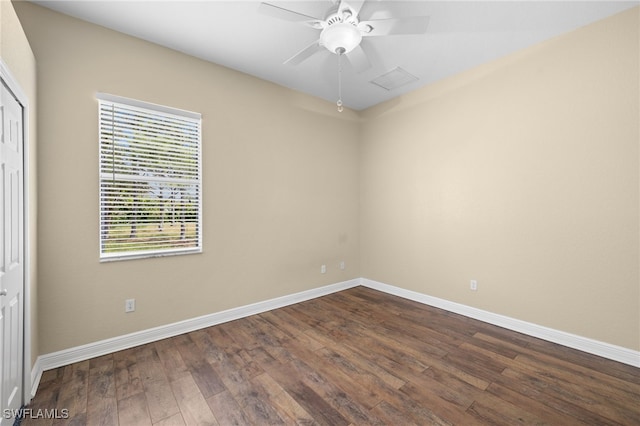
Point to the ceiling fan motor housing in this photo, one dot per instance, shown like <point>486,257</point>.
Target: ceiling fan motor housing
<point>341,35</point>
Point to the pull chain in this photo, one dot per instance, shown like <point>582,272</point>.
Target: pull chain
<point>340,51</point>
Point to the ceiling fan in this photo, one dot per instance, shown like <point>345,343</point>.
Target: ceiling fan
<point>342,31</point>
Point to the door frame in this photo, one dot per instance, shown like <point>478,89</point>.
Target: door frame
<point>27,373</point>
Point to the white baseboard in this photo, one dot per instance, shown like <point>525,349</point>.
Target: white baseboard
<point>103,347</point>
<point>36,375</point>
<point>595,347</point>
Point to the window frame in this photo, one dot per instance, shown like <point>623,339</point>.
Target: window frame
<point>156,110</point>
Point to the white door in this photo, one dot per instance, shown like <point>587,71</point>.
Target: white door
<point>11,252</point>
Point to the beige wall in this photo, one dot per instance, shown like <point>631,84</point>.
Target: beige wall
<point>16,53</point>
<point>279,181</point>
<point>521,174</point>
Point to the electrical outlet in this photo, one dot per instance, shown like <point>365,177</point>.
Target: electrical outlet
<point>130,305</point>
<point>473,285</point>
<point>342,265</point>
<point>323,269</point>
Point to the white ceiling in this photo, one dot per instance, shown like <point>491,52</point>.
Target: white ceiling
<point>461,35</point>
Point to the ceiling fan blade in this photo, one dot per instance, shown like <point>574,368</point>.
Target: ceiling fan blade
<point>286,14</point>
<point>359,60</point>
<point>394,26</point>
<point>304,53</point>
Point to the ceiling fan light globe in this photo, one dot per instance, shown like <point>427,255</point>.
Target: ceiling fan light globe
<point>340,36</point>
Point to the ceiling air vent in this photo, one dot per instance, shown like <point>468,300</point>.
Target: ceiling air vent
<point>393,79</point>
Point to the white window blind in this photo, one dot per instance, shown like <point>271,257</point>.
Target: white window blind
<point>150,179</point>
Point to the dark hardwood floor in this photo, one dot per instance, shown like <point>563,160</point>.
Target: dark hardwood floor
<point>356,357</point>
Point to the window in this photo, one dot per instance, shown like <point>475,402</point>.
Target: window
<point>150,179</point>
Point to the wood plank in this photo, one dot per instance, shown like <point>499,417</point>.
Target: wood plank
<point>226,409</point>
<point>607,405</point>
<point>385,302</point>
<point>222,347</point>
<point>73,393</point>
<point>390,415</point>
<point>447,396</point>
<point>496,346</point>
<point>285,322</point>
<point>337,389</point>
<point>386,348</point>
<point>102,407</point>
<point>477,365</point>
<point>126,374</point>
<point>172,362</point>
<point>447,386</point>
<point>356,382</point>
<point>266,337</point>
<point>48,396</point>
<point>77,420</point>
<point>367,313</point>
<point>414,408</point>
<point>160,399</point>
<point>297,312</point>
<point>51,375</point>
<point>297,379</point>
<point>545,412</point>
<point>287,407</point>
<point>256,404</point>
<point>470,378</point>
<point>435,408</point>
<point>619,394</point>
<point>133,410</point>
<point>366,364</point>
<point>211,351</point>
<point>624,393</point>
<point>549,395</point>
<point>175,420</point>
<point>200,370</point>
<point>194,408</point>
<point>241,335</point>
<point>371,355</point>
<point>150,366</point>
<point>493,410</point>
<point>619,370</point>
<point>234,365</point>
